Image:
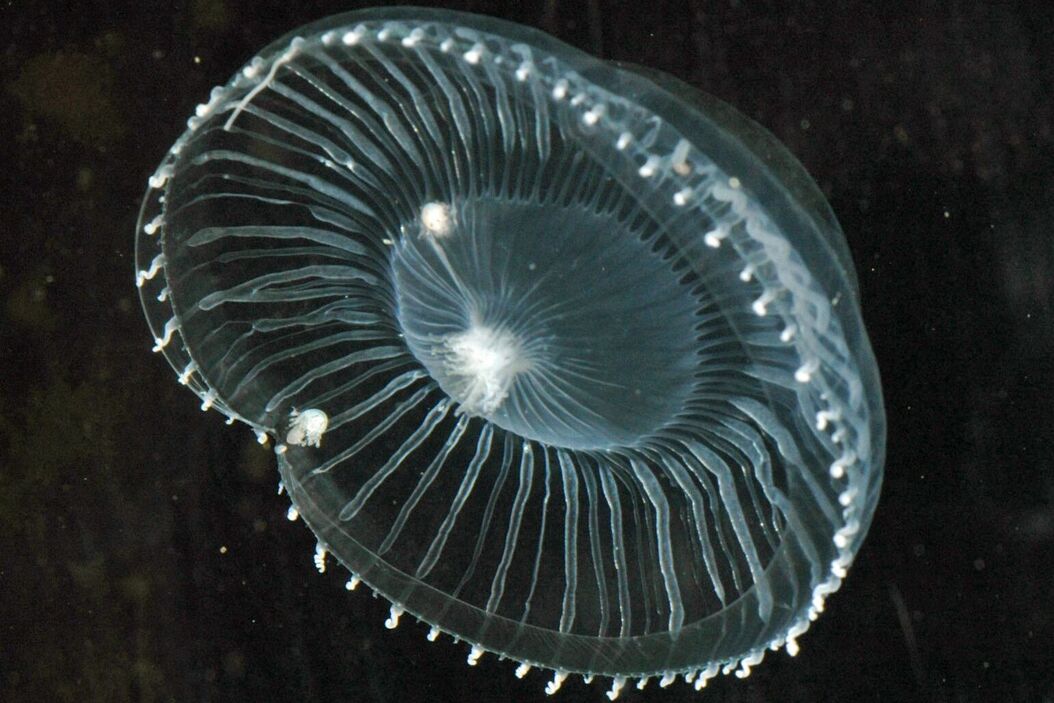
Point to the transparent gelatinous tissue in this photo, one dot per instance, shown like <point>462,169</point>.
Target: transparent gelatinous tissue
<point>561,357</point>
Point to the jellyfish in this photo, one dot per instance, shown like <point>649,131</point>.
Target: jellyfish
<point>563,358</point>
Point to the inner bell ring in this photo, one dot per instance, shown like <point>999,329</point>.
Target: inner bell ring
<point>553,322</point>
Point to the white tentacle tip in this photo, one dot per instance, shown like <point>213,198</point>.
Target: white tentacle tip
<point>558,680</point>
<point>393,618</point>
<point>320,558</point>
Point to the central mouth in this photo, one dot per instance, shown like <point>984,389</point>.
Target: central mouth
<point>480,366</point>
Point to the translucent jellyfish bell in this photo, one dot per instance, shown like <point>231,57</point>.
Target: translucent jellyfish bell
<point>561,357</point>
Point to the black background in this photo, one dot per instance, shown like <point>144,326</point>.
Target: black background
<point>144,555</point>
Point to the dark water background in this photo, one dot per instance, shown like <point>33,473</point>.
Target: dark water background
<point>144,555</point>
